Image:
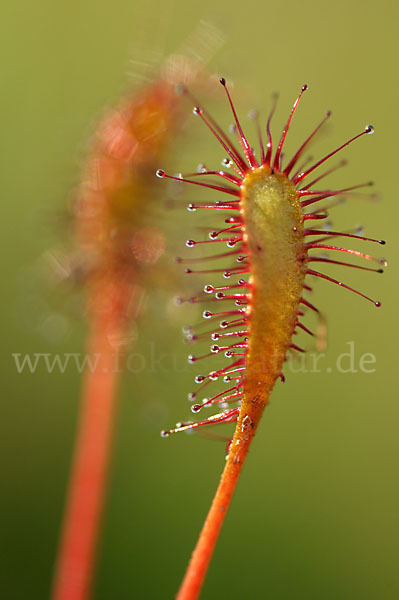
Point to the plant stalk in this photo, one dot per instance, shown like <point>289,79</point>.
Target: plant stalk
<point>196,571</point>
<point>88,479</point>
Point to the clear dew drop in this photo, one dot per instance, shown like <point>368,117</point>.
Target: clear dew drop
<point>246,422</point>
<point>369,129</point>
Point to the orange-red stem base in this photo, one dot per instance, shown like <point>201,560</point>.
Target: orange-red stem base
<point>74,568</point>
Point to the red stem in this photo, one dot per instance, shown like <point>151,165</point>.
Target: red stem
<point>87,483</point>
<point>201,557</point>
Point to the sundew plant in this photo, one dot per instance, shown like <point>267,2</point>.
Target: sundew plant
<point>271,214</point>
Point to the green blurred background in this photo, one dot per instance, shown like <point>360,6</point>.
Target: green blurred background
<point>317,506</point>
